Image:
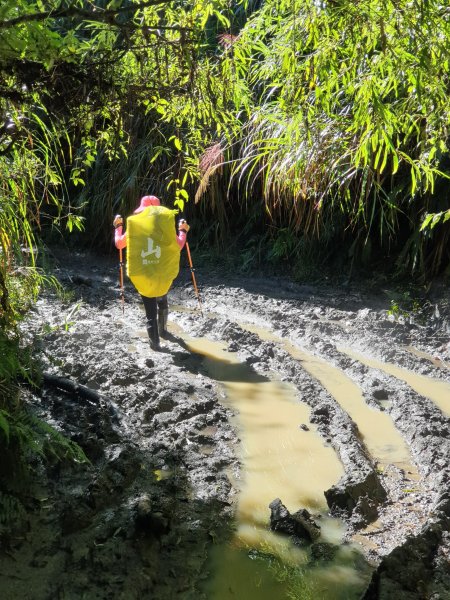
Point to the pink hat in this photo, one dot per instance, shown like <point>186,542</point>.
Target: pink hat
<point>147,201</point>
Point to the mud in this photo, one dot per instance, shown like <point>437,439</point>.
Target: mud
<point>162,487</point>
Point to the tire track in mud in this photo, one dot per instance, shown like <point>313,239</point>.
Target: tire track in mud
<point>296,326</point>
<point>410,505</point>
<point>390,457</point>
<point>436,390</point>
<point>360,491</point>
<point>422,509</point>
<point>253,513</point>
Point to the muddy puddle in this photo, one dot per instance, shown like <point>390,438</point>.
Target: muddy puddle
<point>283,457</point>
<point>376,428</point>
<point>437,390</point>
<point>435,360</point>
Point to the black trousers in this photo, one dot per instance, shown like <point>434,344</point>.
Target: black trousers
<point>152,305</point>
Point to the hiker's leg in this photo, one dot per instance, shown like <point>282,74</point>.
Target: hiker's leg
<point>150,306</point>
<point>163,314</point>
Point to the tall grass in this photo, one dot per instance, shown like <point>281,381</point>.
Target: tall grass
<point>346,110</point>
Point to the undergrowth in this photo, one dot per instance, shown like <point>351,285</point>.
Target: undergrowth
<point>25,441</point>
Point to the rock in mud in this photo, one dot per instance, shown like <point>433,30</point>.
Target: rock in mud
<point>380,394</point>
<point>299,524</point>
<point>365,512</point>
<point>361,494</point>
<point>443,507</point>
<point>405,573</point>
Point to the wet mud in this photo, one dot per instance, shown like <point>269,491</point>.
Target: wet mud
<point>175,499</point>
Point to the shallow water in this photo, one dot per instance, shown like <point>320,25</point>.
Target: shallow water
<point>280,460</point>
<point>377,429</point>
<point>437,362</point>
<point>437,390</point>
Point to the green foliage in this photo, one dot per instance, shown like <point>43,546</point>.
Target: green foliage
<point>301,110</point>
<point>432,219</point>
<point>396,311</point>
<point>408,304</point>
<point>346,107</point>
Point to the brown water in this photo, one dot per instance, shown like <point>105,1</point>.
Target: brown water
<point>377,430</point>
<point>436,390</point>
<point>279,460</point>
<point>274,448</point>
<point>437,362</point>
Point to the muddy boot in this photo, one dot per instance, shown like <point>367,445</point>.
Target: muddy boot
<point>162,322</point>
<point>154,338</point>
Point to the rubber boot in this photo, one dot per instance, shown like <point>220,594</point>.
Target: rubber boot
<point>153,338</point>
<point>162,322</point>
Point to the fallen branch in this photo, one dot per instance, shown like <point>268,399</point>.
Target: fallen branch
<point>67,385</point>
<point>82,391</point>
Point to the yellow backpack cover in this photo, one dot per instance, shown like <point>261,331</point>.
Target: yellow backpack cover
<point>153,254</point>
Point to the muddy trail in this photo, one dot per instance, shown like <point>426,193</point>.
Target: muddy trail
<point>290,442</point>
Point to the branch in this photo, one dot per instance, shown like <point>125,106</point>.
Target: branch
<point>73,11</point>
<point>72,387</point>
<point>81,391</point>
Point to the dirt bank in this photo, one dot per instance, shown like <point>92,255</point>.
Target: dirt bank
<point>137,521</point>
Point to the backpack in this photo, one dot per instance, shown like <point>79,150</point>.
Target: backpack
<point>153,254</point>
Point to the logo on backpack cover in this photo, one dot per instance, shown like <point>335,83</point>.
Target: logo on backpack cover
<point>150,251</point>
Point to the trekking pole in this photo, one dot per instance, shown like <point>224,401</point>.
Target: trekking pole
<point>118,221</point>
<point>122,291</point>
<point>193,278</point>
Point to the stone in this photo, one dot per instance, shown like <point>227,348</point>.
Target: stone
<point>300,524</point>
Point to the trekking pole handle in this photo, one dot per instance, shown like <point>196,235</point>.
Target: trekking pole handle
<point>183,225</point>
<point>118,221</point>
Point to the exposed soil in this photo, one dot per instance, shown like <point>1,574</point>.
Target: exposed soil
<point>137,521</point>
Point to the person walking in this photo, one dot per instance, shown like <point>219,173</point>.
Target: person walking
<point>153,258</point>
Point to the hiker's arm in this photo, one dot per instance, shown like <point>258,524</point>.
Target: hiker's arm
<point>181,239</point>
<point>183,228</point>
<point>120,239</point>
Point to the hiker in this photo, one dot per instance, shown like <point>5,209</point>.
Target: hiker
<point>153,259</point>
